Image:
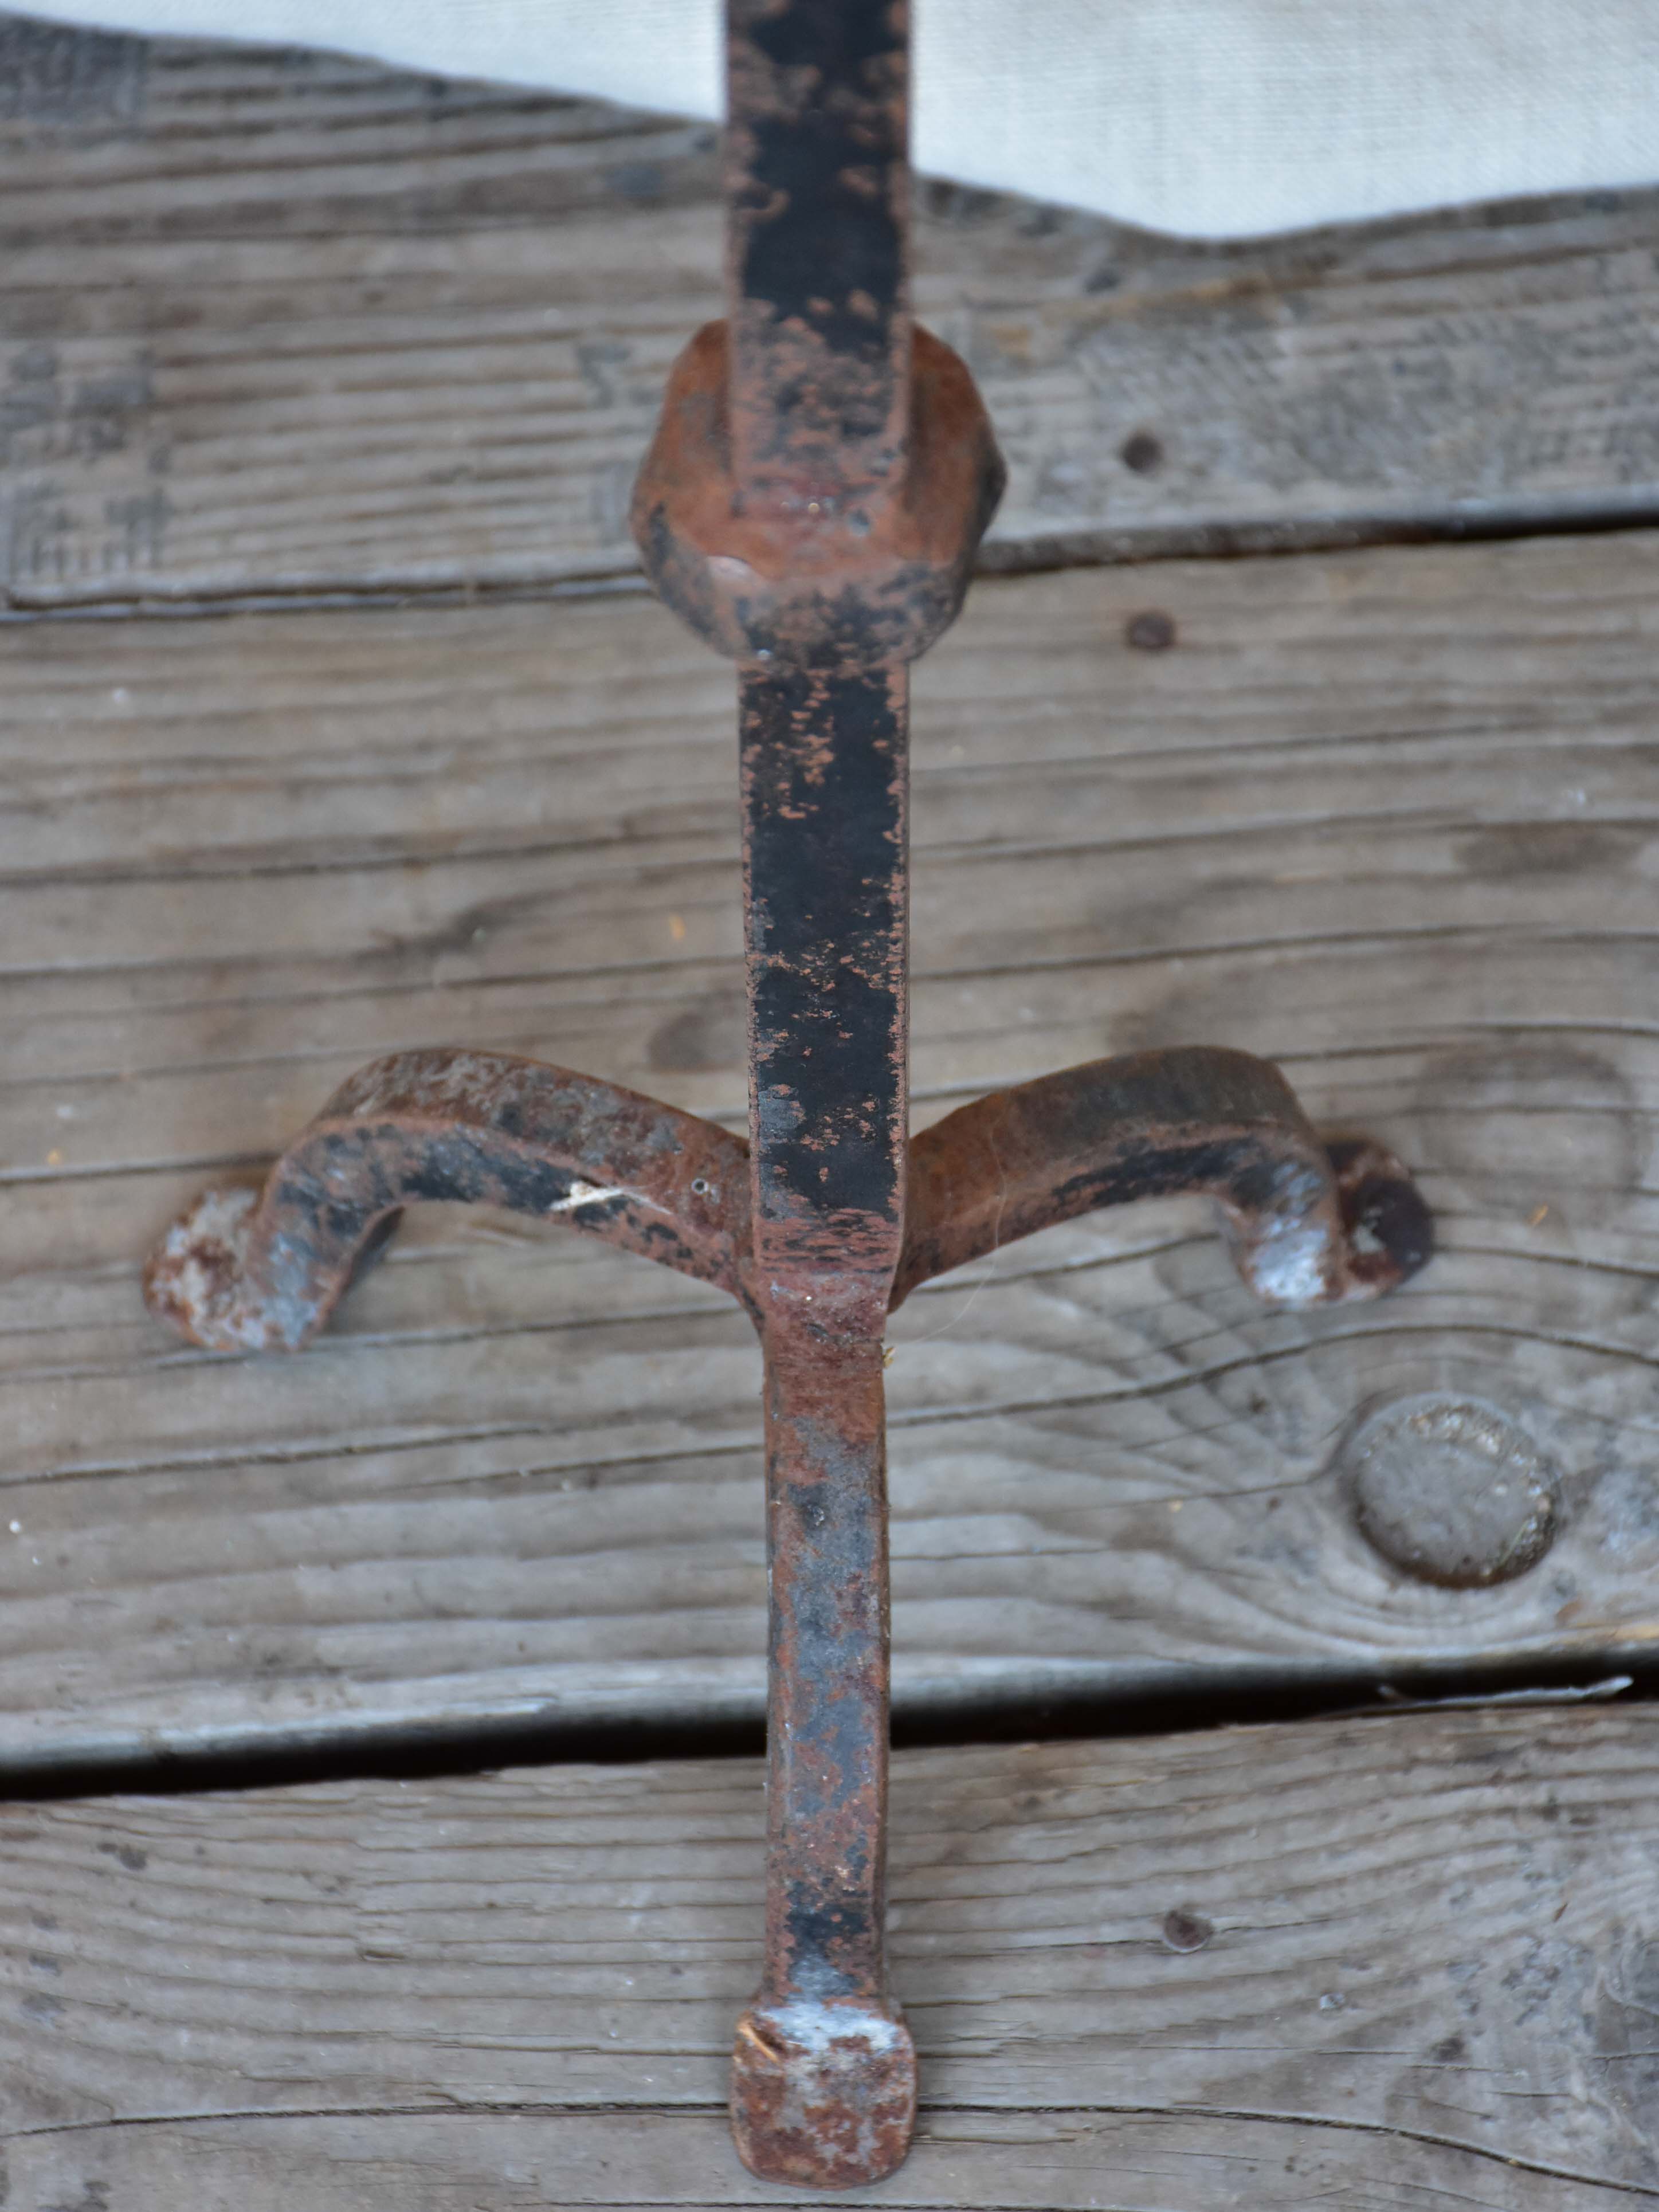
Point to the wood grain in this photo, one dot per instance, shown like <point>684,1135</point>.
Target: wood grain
<point>278,323</point>
<point>1386,817</point>
<point>1379,1964</point>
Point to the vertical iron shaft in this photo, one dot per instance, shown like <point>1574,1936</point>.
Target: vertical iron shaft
<point>825,2082</point>
<point>817,260</point>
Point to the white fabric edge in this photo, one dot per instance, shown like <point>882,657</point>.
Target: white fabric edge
<point>1205,118</point>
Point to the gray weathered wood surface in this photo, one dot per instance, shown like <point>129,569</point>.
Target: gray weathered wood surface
<point>285,330</point>
<point>1422,1969</point>
<point>1384,816</point>
<point>282,323</point>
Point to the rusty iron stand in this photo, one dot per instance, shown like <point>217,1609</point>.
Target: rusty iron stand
<point>811,506</point>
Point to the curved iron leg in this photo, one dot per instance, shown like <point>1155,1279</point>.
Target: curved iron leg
<point>238,1272</point>
<point>1307,1222</point>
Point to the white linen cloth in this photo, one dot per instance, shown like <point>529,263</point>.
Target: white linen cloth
<point>1208,118</point>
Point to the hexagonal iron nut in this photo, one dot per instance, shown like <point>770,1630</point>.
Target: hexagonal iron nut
<point>849,585</point>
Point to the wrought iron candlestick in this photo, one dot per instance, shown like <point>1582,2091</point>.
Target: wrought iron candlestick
<point>811,506</point>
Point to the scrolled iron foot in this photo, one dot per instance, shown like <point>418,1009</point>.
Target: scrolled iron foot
<point>1308,1224</point>
<point>238,1272</point>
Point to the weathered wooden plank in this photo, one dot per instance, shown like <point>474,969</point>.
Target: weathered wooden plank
<point>1386,817</point>
<point>1054,2162</point>
<point>1381,1964</point>
<point>275,322</point>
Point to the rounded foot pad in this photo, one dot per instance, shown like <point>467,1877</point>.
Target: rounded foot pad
<point>196,1278</point>
<point>823,2096</point>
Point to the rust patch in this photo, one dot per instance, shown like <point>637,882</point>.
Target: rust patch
<point>823,2096</point>
<point>823,575</point>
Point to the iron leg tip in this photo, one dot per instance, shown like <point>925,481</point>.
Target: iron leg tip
<point>823,2096</point>
<point>195,1280</point>
<point>1386,1223</point>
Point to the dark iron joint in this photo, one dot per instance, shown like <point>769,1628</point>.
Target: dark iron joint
<point>809,574</point>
